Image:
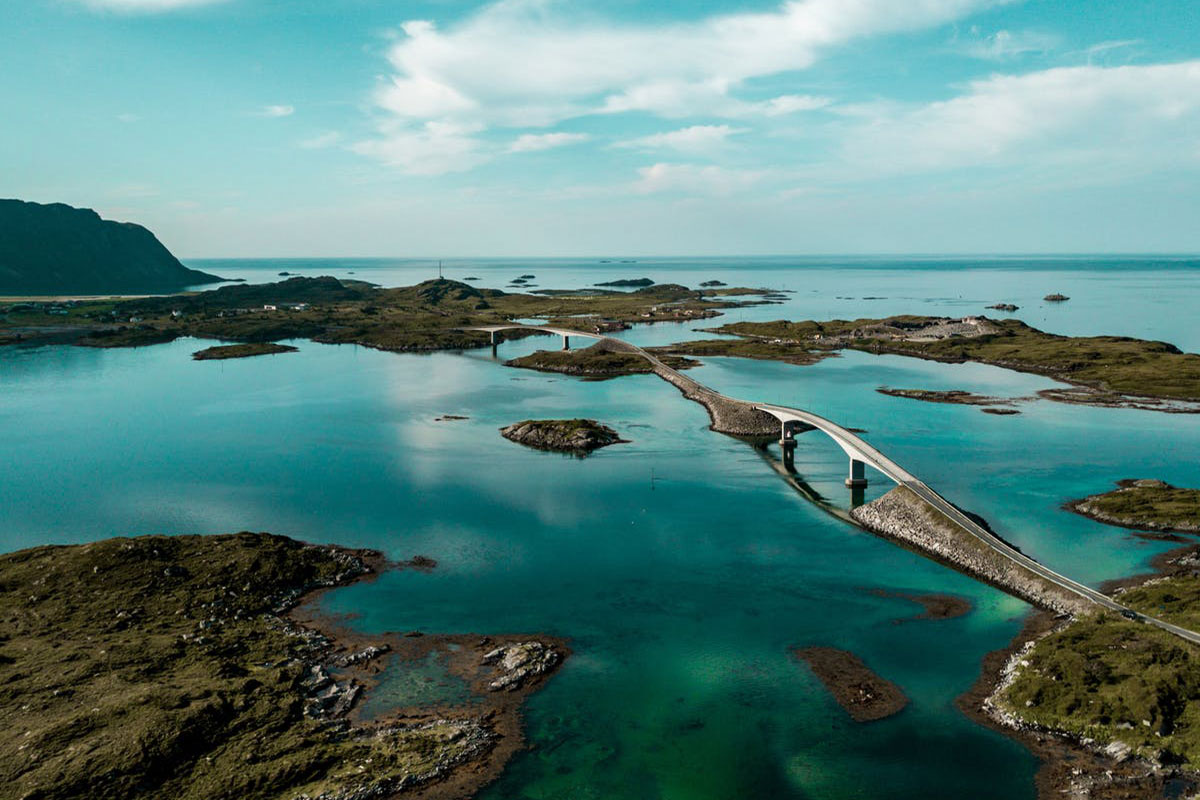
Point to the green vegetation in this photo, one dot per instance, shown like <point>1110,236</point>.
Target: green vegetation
<point>57,249</point>
<point>159,667</point>
<point>1145,504</point>
<point>427,316</point>
<point>579,436</point>
<point>593,362</point>
<point>1114,364</point>
<point>1114,680</point>
<point>745,348</point>
<point>241,351</point>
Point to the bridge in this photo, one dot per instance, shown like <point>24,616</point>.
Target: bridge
<point>861,453</point>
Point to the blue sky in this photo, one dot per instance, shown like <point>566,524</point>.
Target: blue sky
<point>537,127</point>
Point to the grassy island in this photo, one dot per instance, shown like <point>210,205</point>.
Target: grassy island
<point>596,362</point>
<point>1114,370</point>
<point>168,667</point>
<point>428,316</point>
<point>241,350</point>
<point>1144,504</point>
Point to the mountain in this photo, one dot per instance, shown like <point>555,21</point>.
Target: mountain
<point>58,249</point>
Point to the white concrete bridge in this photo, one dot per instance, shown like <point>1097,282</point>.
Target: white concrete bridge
<point>861,453</point>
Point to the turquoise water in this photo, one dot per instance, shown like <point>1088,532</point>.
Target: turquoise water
<point>682,595</point>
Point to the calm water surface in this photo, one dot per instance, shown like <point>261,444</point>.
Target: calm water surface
<point>681,567</point>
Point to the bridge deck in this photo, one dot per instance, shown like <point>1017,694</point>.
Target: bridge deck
<point>859,448</point>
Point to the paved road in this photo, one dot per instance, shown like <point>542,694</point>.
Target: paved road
<point>856,447</point>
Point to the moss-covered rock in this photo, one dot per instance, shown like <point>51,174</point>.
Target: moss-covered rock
<point>578,436</point>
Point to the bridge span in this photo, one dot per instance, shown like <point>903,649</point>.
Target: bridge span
<point>795,420</point>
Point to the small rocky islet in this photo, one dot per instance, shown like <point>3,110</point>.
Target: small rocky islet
<point>245,350</point>
<point>865,696</point>
<point>575,436</point>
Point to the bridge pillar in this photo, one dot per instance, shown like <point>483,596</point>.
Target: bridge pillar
<point>787,442</point>
<point>566,342</point>
<point>858,475</point>
<point>493,334</point>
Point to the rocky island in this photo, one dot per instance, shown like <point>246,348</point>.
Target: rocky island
<point>576,436</point>
<point>951,396</point>
<point>865,696</point>
<point>1150,505</point>
<point>242,350</point>
<point>58,249</point>
<point>636,283</point>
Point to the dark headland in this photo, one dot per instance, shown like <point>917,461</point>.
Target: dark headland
<point>58,249</point>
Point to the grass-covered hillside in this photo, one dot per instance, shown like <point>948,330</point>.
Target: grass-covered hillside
<point>157,667</point>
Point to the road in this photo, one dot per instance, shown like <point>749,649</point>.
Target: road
<point>857,447</point>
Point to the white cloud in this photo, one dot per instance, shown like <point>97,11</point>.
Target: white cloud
<point>321,141</point>
<point>276,111</point>
<point>791,103</point>
<point>147,6</point>
<point>694,179</point>
<point>532,142</point>
<point>533,63</point>
<point>434,148</point>
<point>1004,44</point>
<point>1129,117</point>
<point>694,140</point>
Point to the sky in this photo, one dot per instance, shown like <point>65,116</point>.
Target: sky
<point>258,128</point>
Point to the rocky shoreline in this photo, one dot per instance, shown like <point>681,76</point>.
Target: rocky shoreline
<point>264,693</point>
<point>901,516</point>
<point>1073,766</point>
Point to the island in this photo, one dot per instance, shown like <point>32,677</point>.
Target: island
<point>1056,298</point>
<point>433,315</point>
<point>710,284</point>
<point>1145,504</point>
<point>242,350</point>
<point>1004,307</point>
<point>865,696</point>
<point>58,249</point>
<point>630,282</point>
<point>191,653</point>
<point>1102,370</point>
<point>952,396</point>
<point>574,436</point>
<point>598,362</point>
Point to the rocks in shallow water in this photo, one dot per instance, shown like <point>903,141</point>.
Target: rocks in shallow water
<point>1004,307</point>
<point>1056,298</point>
<point>362,656</point>
<point>578,436</point>
<point>865,695</point>
<point>519,662</point>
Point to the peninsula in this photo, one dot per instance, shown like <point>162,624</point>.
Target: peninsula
<point>57,249</point>
<point>1150,505</point>
<point>186,650</point>
<point>1105,370</point>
